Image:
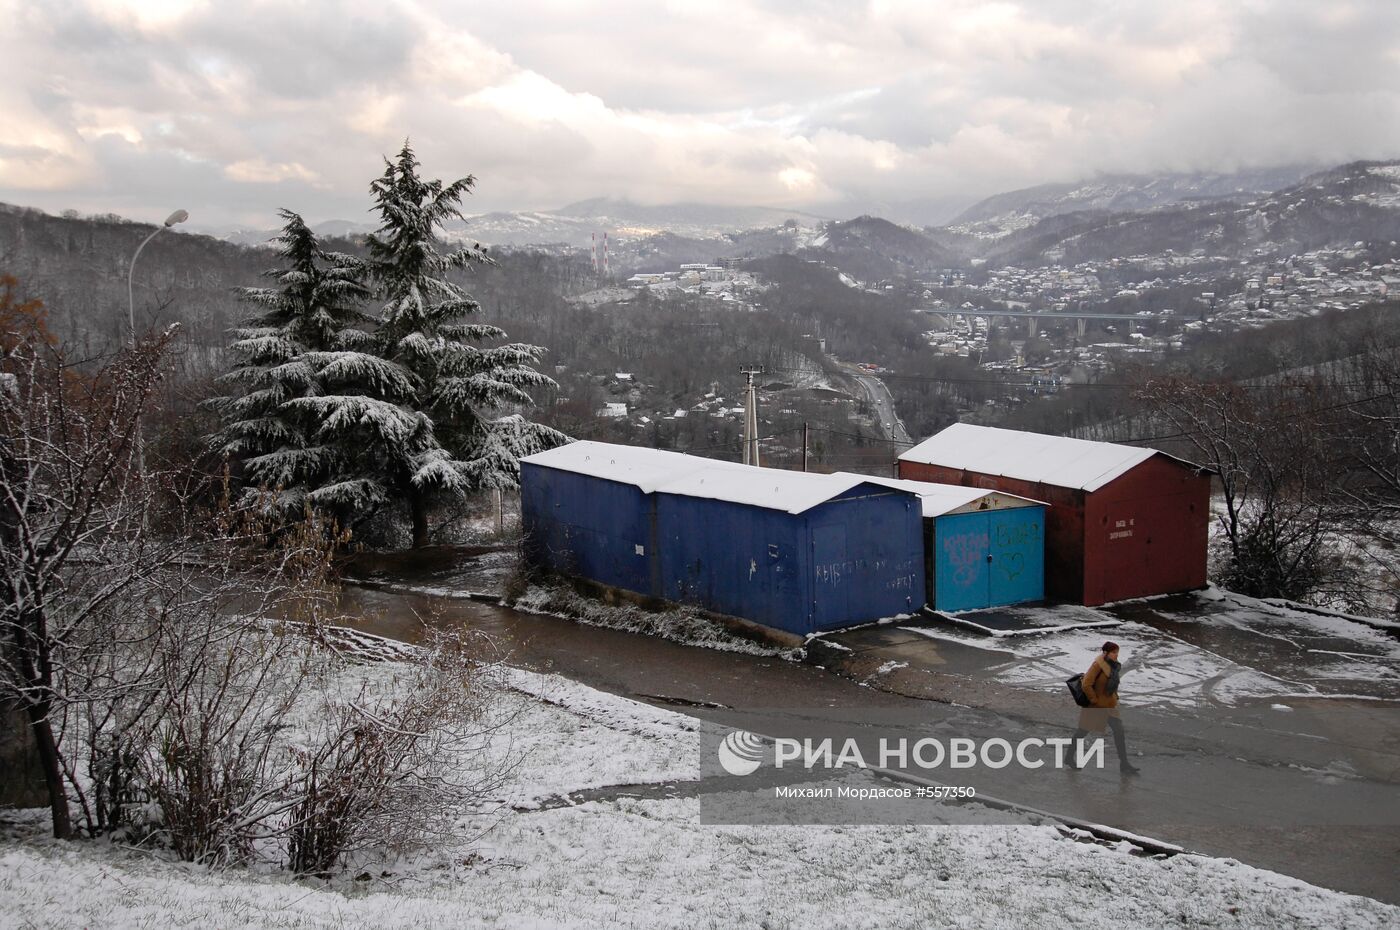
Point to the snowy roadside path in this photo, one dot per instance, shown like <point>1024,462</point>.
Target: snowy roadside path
<point>649,862</point>
<point>1208,650</point>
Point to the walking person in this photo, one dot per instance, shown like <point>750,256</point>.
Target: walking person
<point>1100,685</point>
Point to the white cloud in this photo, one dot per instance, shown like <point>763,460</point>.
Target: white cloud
<point>846,105</point>
<point>261,171</point>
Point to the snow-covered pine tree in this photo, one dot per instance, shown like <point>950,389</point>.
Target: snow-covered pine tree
<point>469,436</point>
<point>307,392</point>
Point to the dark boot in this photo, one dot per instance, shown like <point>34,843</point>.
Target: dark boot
<point>1120,742</point>
<point>1070,758</point>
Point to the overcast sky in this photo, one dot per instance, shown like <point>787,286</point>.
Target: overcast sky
<point>232,108</point>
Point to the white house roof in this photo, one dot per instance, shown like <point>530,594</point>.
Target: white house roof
<point>938,499</point>
<point>655,470</point>
<point>1057,460</point>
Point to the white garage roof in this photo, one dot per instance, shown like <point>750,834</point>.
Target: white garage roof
<point>1057,460</point>
<point>939,499</point>
<point>646,469</point>
<point>659,471</point>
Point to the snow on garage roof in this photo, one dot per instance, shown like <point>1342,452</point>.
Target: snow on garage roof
<point>659,471</point>
<point>939,499</point>
<point>1057,460</point>
<point>773,488</point>
<point>647,469</point>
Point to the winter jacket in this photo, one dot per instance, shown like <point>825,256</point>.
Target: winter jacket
<point>1101,682</point>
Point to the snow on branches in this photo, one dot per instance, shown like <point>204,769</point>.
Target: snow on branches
<point>351,411</point>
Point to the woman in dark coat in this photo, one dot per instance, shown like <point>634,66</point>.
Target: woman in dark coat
<point>1101,688</point>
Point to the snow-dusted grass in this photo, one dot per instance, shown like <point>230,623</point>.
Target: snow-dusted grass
<point>576,737</point>
<point>647,864</point>
<point>628,862</point>
<point>679,624</point>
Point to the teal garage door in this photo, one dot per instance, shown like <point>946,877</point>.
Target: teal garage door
<point>989,559</point>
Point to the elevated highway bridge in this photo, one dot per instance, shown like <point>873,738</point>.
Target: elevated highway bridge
<point>1034,319</point>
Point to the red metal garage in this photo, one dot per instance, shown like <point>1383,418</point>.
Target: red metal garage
<point>1123,521</point>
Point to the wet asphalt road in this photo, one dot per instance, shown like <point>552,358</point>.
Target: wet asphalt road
<point>882,402</point>
<point>1315,795</point>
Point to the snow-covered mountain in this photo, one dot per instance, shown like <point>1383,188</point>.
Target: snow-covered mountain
<point>576,223</point>
<point>874,248</point>
<point>1374,183</point>
<point>1333,208</point>
<point>1006,213</point>
<point>245,235</point>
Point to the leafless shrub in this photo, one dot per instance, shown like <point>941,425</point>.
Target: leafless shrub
<point>209,763</point>
<point>236,638</point>
<point>157,660</point>
<point>390,766</point>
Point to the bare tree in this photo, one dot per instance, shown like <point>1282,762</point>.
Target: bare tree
<point>1369,447</point>
<point>1271,448</point>
<point>119,601</point>
<point>73,518</point>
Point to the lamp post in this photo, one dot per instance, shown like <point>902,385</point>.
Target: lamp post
<point>179,216</point>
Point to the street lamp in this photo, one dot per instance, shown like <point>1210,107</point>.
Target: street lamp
<point>179,216</point>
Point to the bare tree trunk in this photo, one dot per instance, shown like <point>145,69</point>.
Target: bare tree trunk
<point>418,506</point>
<point>34,666</point>
<point>53,770</point>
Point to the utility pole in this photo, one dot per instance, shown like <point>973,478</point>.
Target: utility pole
<point>805,434</point>
<point>751,415</point>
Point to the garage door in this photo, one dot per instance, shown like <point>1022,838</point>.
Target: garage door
<point>990,558</point>
<point>832,584</point>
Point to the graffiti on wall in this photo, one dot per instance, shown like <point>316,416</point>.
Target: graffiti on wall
<point>1015,535</point>
<point>833,572</point>
<point>966,552</point>
<point>1012,539</point>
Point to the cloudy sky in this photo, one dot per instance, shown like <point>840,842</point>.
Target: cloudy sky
<point>232,108</point>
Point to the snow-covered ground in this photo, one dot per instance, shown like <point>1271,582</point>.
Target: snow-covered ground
<point>628,861</point>
<point>1290,652</point>
<point>1160,670</point>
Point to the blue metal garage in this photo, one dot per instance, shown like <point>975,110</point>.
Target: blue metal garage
<point>798,552</point>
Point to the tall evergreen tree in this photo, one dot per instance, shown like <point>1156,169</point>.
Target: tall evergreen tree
<point>310,345</point>
<point>466,437</point>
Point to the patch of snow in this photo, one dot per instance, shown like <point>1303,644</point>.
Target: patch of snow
<point>1158,670</point>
